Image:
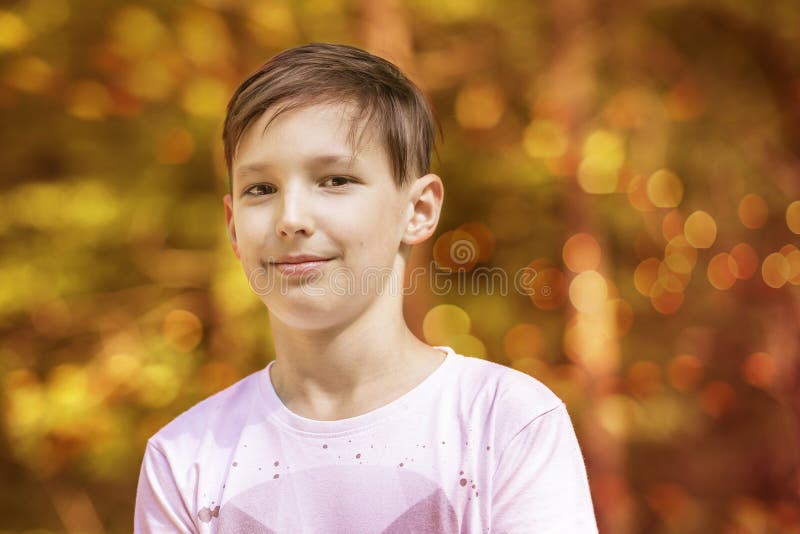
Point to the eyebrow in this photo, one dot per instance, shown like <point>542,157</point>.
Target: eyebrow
<point>316,161</point>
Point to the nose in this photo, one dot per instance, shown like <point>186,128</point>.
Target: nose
<point>295,215</point>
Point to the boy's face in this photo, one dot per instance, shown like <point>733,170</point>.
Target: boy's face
<point>298,188</point>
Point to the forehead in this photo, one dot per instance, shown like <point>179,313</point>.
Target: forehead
<point>307,131</point>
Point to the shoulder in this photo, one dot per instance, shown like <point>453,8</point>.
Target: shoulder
<point>510,398</point>
<point>506,386</point>
<point>220,416</point>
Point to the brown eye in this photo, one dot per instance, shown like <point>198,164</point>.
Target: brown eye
<point>338,181</point>
<point>260,190</point>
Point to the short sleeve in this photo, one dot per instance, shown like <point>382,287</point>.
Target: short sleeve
<point>540,484</point>
<point>160,507</point>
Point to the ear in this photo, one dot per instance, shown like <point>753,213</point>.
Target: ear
<point>424,207</point>
<point>227,200</point>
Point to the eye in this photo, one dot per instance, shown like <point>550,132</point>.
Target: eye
<point>260,190</point>
<point>337,181</point>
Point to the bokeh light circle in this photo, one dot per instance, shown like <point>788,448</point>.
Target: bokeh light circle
<point>672,224</point>
<point>679,255</point>
<point>523,341</point>
<point>753,211</point>
<point>444,322</point>
<point>581,252</point>
<point>664,189</point>
<point>746,260</point>
<point>588,291</point>
<point>793,217</point>
<point>759,369</point>
<point>700,229</point>
<point>645,275</point>
<point>775,270</point>
<point>182,329</point>
<point>722,271</point>
<point>684,372</point>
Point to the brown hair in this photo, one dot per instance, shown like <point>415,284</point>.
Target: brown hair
<point>317,73</point>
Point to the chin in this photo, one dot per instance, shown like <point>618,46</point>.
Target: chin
<point>306,312</point>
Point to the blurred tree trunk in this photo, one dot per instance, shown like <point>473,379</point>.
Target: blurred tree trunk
<point>781,324</point>
<point>568,87</point>
<point>385,31</point>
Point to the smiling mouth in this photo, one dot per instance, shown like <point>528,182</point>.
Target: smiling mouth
<point>301,267</point>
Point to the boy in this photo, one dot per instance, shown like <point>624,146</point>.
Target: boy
<point>357,426</point>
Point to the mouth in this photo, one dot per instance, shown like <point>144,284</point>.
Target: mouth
<point>299,266</point>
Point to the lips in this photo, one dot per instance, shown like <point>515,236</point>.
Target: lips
<point>297,265</point>
<point>299,258</point>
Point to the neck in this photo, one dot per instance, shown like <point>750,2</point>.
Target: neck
<point>352,367</point>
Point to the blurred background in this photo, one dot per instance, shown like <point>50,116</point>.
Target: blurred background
<point>643,157</point>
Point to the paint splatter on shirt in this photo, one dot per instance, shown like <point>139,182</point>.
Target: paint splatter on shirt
<point>476,447</point>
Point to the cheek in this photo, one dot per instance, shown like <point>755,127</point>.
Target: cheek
<point>251,235</point>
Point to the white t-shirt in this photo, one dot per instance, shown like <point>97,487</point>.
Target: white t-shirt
<point>475,447</point>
